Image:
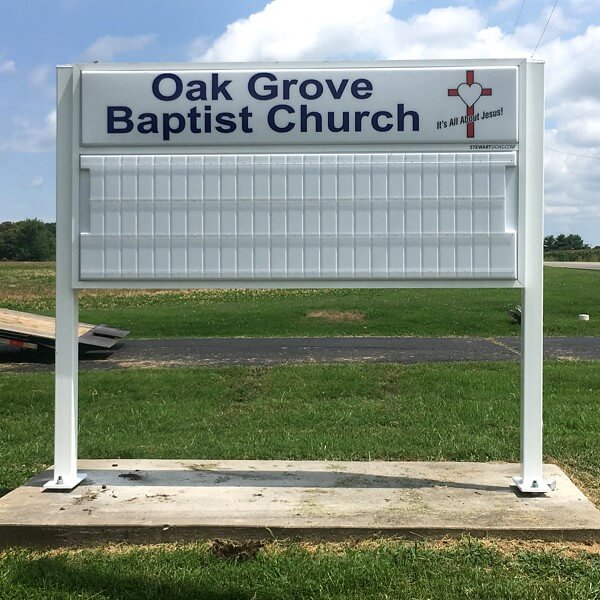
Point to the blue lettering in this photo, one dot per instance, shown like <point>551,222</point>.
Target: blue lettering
<point>312,82</point>
<point>268,91</point>
<point>245,116</point>
<point>167,76</point>
<point>305,114</point>
<point>377,116</point>
<point>345,126</point>
<point>196,90</point>
<point>113,118</point>
<point>226,122</point>
<point>220,88</point>
<point>402,114</point>
<point>148,123</point>
<point>271,118</point>
<point>336,92</point>
<point>168,129</point>
<point>361,89</point>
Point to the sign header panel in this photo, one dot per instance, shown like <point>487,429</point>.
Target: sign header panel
<point>270,106</point>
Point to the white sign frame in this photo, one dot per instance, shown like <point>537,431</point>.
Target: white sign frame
<point>529,244</point>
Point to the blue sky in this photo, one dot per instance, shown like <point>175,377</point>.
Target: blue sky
<point>36,35</point>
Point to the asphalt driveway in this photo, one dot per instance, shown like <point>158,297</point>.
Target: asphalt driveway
<point>276,351</point>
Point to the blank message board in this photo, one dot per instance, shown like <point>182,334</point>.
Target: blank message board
<point>284,217</point>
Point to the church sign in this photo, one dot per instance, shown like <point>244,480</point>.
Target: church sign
<point>381,174</point>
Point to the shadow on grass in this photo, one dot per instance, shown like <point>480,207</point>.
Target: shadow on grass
<point>61,576</point>
<point>45,356</point>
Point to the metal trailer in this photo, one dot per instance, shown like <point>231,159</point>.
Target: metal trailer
<point>32,332</point>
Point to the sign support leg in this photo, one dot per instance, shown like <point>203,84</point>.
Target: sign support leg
<point>532,342</point>
<point>531,163</point>
<point>65,476</point>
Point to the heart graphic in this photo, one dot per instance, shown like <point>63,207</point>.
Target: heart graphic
<point>469,94</point>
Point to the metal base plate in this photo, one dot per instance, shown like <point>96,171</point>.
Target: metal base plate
<point>538,486</point>
<point>64,485</point>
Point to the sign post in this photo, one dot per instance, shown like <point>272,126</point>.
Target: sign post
<point>399,174</point>
<point>66,476</point>
<point>532,334</point>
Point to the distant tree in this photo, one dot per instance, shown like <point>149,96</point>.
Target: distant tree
<point>30,239</point>
<point>549,242</point>
<point>575,242</point>
<point>564,242</point>
<point>7,241</point>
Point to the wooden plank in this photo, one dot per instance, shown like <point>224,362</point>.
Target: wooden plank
<point>23,323</point>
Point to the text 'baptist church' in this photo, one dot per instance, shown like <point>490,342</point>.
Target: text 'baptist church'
<point>264,86</point>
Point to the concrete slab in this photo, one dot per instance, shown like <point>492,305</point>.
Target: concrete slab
<point>176,500</point>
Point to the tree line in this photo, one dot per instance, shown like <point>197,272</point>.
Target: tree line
<point>30,239</point>
<point>33,239</point>
<point>564,242</point>
<point>569,248</point>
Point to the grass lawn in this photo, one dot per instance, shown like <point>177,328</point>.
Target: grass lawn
<point>334,412</point>
<point>215,313</point>
<point>437,412</point>
<point>330,412</point>
<point>388,570</point>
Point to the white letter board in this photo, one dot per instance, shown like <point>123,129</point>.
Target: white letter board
<point>356,176</point>
<point>296,216</point>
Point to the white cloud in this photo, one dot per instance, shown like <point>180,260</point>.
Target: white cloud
<point>585,7</point>
<point>313,29</point>
<point>562,210</point>
<point>37,181</point>
<point>8,66</point>
<point>572,176</point>
<point>573,69</point>
<point>288,30</point>
<point>333,29</point>
<point>39,76</point>
<point>199,46</point>
<point>108,47</point>
<point>502,5</point>
<point>32,135</point>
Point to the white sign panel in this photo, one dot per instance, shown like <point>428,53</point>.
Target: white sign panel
<point>250,175</point>
<point>286,217</point>
<point>273,106</point>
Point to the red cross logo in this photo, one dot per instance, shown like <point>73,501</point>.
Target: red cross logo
<point>469,92</point>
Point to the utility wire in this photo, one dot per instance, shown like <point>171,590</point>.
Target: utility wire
<point>516,23</point>
<point>545,27</point>
<point>573,153</point>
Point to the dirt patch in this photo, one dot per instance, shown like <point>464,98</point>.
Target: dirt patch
<point>88,496</point>
<point>337,316</point>
<point>160,497</point>
<point>244,550</point>
<point>131,476</point>
<point>567,549</point>
<point>202,466</point>
<point>584,481</point>
<point>236,550</point>
<point>154,364</point>
<point>506,547</point>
